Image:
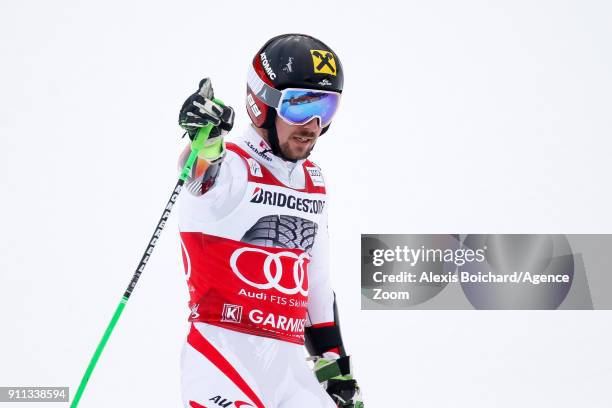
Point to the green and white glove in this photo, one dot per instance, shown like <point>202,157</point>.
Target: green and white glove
<point>337,379</point>
<point>213,150</point>
<point>202,109</point>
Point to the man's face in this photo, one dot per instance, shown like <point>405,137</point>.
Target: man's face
<point>296,141</point>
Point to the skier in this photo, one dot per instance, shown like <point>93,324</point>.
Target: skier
<point>254,241</point>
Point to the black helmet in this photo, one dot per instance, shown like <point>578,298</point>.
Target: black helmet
<point>289,61</point>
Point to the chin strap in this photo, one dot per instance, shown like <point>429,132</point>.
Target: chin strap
<point>270,126</point>
<point>274,144</point>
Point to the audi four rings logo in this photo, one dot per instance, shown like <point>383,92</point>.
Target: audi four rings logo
<point>274,275</point>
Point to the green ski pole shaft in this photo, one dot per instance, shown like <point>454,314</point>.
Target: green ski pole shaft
<point>196,146</point>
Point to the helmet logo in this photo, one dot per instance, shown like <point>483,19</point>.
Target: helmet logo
<point>289,66</point>
<point>266,65</point>
<point>323,62</point>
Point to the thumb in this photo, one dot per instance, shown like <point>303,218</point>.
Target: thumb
<point>206,89</point>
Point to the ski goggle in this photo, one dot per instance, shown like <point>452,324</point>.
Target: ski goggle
<point>299,106</point>
<point>296,106</point>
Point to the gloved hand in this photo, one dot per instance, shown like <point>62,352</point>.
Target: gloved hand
<point>199,110</point>
<point>337,378</point>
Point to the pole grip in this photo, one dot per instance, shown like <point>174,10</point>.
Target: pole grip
<point>196,145</point>
<point>201,137</point>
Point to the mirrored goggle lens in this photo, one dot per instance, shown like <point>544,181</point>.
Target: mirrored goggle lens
<point>301,105</point>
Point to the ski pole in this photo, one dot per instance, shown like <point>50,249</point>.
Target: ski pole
<point>196,146</point>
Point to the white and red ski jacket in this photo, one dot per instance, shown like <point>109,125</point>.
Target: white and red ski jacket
<point>255,243</point>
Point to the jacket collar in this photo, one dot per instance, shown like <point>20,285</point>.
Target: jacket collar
<point>260,150</point>
<point>289,172</point>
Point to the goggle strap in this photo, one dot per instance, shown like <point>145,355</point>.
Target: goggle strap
<point>263,91</point>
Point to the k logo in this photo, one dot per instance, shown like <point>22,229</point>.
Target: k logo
<point>231,313</point>
<point>323,62</point>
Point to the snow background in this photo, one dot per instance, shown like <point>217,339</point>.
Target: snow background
<point>457,117</point>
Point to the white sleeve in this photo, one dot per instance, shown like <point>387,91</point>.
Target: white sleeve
<point>320,293</point>
<point>220,199</point>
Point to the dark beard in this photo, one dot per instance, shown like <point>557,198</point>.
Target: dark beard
<point>284,148</point>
